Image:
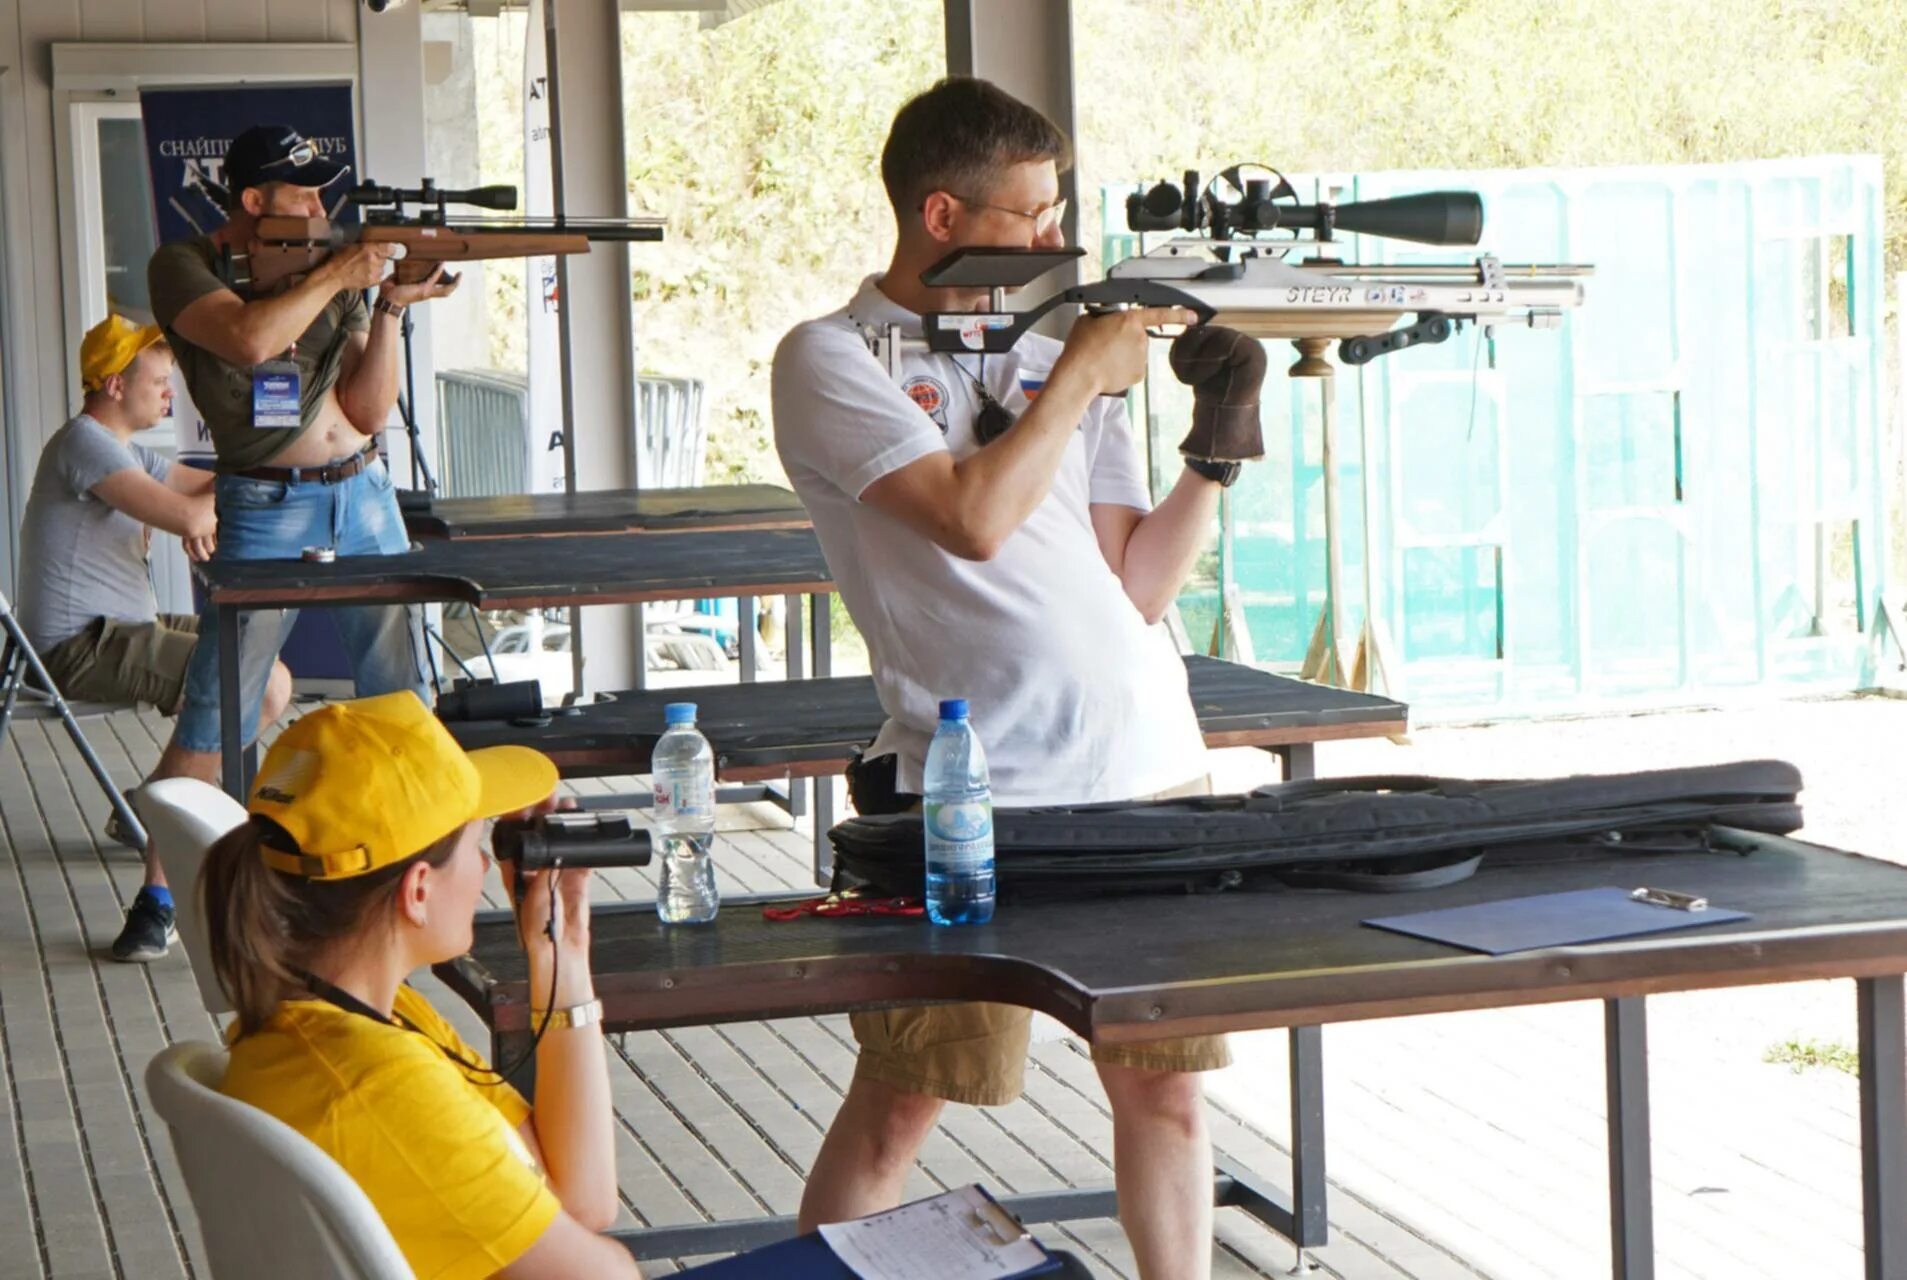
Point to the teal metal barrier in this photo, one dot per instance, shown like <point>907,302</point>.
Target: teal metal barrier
<point>1675,498</point>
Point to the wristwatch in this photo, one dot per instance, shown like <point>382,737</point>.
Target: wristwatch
<point>577,1015</point>
<point>1226,473</point>
<point>389,308</point>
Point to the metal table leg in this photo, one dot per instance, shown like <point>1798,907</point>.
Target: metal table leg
<point>1300,760</point>
<point>822,634</point>
<point>1631,1214</point>
<point>795,643</point>
<point>231,748</point>
<point>745,636</point>
<point>820,606</point>
<point>642,647</point>
<point>1309,1227</point>
<point>1883,1125</point>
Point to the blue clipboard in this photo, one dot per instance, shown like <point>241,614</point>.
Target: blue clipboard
<point>1549,920</point>
<point>808,1257</point>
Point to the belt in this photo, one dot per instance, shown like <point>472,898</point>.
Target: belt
<point>329,473</point>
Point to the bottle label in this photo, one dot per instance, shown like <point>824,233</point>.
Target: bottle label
<point>959,831</point>
<point>688,793</point>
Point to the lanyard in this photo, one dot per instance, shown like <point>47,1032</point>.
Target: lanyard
<point>339,998</point>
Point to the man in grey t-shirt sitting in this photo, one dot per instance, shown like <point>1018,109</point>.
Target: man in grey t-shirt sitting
<point>86,599</point>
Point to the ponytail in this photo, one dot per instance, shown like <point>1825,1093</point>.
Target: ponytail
<point>265,927</point>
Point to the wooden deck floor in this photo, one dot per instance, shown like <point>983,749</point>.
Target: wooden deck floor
<point>713,1122</point>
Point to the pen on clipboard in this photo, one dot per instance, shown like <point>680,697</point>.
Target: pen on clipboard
<point>1669,898</point>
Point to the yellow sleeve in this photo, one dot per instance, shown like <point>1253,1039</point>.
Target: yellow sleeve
<point>445,1167</point>
<point>423,1015</point>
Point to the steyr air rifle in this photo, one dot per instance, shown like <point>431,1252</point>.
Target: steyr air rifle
<point>285,249</point>
<point>1252,258</point>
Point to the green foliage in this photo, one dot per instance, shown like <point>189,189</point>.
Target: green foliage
<point>1801,1054</point>
<point>759,141</point>
<point>759,138</point>
<point>1322,86</point>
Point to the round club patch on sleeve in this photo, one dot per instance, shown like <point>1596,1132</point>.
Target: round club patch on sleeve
<point>931,395</point>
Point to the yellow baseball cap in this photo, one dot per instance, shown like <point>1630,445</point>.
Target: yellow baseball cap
<point>361,785</point>
<point>109,347</point>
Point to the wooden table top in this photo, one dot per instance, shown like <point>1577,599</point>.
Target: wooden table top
<point>531,573</point>
<point>804,727</point>
<point>595,511</point>
<point>1142,967</point>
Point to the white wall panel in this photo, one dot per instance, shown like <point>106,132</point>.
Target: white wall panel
<point>115,19</point>
<point>241,20</point>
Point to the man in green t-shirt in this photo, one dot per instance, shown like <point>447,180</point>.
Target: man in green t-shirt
<point>295,387</point>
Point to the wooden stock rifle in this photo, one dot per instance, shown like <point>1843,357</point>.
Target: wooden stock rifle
<point>285,249</point>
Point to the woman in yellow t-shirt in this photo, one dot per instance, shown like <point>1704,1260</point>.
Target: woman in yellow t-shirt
<point>361,863</point>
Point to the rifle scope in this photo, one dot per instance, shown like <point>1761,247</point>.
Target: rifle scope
<point>495,197</point>
<point>606,838</point>
<point>1430,217</point>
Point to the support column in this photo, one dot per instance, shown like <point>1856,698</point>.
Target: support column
<point>586,117</point>
<point>1026,49</point>
<point>391,150</point>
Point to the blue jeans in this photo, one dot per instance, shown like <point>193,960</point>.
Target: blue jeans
<point>273,520</point>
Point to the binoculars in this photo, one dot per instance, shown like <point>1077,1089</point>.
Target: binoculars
<point>487,700</point>
<point>605,838</point>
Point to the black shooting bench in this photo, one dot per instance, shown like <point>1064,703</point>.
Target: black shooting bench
<point>812,728</point>
<point>1295,959</point>
<point>527,572</point>
<point>519,515</point>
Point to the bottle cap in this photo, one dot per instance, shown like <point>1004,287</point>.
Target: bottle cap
<point>953,708</point>
<point>679,713</point>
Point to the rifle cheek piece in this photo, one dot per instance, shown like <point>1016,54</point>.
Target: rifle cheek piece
<point>1225,370</point>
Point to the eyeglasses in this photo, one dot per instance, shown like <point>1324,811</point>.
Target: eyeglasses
<point>301,154</point>
<point>1045,221</point>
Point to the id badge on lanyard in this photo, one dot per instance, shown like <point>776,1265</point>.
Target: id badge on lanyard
<point>275,388</point>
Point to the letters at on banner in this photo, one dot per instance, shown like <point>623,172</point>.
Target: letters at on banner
<point>187,134</point>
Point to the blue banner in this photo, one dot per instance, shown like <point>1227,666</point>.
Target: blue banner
<point>187,133</point>
<point>188,130</point>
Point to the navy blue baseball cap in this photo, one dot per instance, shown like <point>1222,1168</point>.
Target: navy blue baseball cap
<point>277,153</point>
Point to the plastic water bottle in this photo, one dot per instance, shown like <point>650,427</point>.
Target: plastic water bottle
<point>684,768</point>
<point>958,820</point>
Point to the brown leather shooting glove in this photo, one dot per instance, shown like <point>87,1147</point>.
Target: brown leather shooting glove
<point>1225,370</point>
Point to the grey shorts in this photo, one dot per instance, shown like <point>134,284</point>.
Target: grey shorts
<point>113,661</point>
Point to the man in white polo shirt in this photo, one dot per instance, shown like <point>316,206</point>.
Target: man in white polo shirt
<point>990,530</point>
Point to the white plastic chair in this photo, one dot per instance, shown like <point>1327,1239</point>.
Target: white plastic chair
<point>185,818</point>
<point>270,1203</point>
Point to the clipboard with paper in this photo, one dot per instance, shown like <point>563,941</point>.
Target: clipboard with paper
<point>962,1234</point>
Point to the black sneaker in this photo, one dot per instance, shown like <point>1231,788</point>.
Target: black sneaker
<point>148,933</point>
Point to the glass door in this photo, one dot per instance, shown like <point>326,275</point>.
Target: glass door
<point>116,235</point>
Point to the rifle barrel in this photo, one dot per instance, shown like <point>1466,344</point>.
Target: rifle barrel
<point>604,229</point>
<point>1463,271</point>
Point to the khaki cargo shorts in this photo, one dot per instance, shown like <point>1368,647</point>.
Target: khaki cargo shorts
<point>976,1053</point>
<point>113,661</point>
